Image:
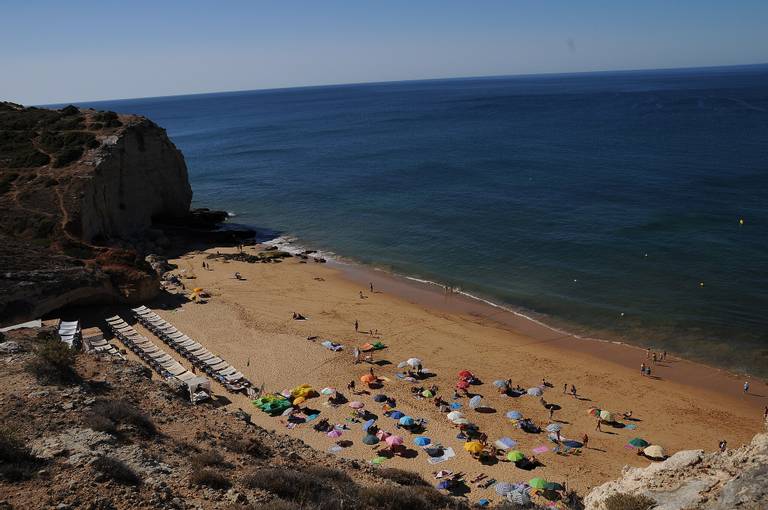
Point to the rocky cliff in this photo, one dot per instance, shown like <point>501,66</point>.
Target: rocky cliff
<point>736,479</point>
<point>79,191</point>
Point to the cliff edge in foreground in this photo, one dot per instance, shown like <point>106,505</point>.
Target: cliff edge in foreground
<point>79,191</point>
<point>692,479</point>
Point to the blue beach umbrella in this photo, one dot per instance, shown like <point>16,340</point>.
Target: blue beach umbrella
<point>455,406</point>
<point>370,439</point>
<point>396,415</point>
<point>444,485</point>
<point>421,441</point>
<point>407,421</point>
<point>368,424</point>
<point>506,443</point>
<point>514,415</point>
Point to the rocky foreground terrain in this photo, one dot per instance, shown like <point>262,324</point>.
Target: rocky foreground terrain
<point>100,434</point>
<point>80,194</point>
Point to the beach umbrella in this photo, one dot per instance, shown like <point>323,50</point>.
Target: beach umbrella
<point>370,439</point>
<point>606,416</point>
<point>356,404</point>
<point>474,402</point>
<point>483,502</point>
<point>538,483</point>
<point>462,385</point>
<point>299,400</point>
<point>427,394</point>
<point>407,421</point>
<point>593,411</point>
<point>473,446</point>
<point>466,374</point>
<point>639,442</point>
<point>198,289</point>
<point>499,383</point>
<point>382,435</point>
<point>554,427</point>
<point>454,415</point>
<point>554,486</point>
<point>503,488</point>
<point>515,455</point>
<point>379,460</point>
<point>505,443</point>
<point>514,415</point>
<point>434,451</point>
<point>421,441</point>
<point>287,412</point>
<point>535,391</point>
<point>368,424</point>
<point>444,485</point>
<point>380,398</point>
<point>414,362</point>
<point>455,405</point>
<point>328,391</point>
<point>368,378</point>
<point>461,421</point>
<point>402,364</point>
<point>394,440</point>
<point>334,433</point>
<point>655,452</point>
<point>396,415</point>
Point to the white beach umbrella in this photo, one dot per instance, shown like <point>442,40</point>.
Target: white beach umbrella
<point>655,452</point>
<point>402,364</point>
<point>414,362</point>
<point>535,391</point>
<point>454,415</point>
<point>554,427</point>
<point>475,401</point>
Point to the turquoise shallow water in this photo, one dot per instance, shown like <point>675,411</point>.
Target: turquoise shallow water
<point>600,202</point>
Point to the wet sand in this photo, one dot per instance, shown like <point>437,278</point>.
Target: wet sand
<point>683,406</point>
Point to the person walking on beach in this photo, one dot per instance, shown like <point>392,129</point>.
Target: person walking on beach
<point>585,440</point>
<point>654,358</point>
<point>351,387</point>
<point>642,368</point>
<point>573,390</point>
<point>765,414</point>
<point>746,386</point>
<point>565,388</point>
<point>371,287</point>
<point>599,421</point>
<point>356,354</point>
<point>723,446</point>
<point>648,370</point>
<point>357,326</point>
<point>551,412</point>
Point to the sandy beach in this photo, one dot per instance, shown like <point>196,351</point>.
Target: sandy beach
<point>249,323</point>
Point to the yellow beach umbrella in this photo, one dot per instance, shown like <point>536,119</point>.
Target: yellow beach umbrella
<point>473,446</point>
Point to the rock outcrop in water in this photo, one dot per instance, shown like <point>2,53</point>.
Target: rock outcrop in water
<point>79,192</point>
<point>692,479</point>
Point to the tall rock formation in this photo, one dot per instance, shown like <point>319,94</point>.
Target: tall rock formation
<point>79,192</point>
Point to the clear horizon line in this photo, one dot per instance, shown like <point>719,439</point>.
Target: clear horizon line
<point>444,78</point>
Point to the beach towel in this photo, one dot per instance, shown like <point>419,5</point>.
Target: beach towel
<point>630,426</point>
<point>447,454</point>
<point>540,449</point>
<point>333,346</point>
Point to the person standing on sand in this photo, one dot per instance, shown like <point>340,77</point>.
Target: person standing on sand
<point>351,386</point>
<point>654,358</point>
<point>551,412</point>
<point>356,354</point>
<point>765,414</point>
<point>599,421</point>
<point>642,368</point>
<point>746,386</point>
<point>723,446</point>
<point>371,287</point>
<point>565,388</point>
<point>573,390</point>
<point>585,440</point>
<point>357,325</point>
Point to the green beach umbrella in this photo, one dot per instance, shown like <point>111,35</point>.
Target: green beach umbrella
<point>538,483</point>
<point>515,455</point>
<point>639,442</point>
<point>378,460</point>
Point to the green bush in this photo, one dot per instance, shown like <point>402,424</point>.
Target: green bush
<point>53,363</point>
<point>116,470</point>
<point>622,501</point>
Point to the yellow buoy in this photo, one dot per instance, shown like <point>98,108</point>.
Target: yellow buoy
<point>741,221</point>
<point>701,284</point>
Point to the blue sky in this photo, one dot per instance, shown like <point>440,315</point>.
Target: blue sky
<point>57,51</point>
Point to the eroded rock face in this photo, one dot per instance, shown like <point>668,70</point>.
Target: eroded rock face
<point>697,480</point>
<point>79,190</point>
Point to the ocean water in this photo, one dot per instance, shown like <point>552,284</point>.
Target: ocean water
<point>609,204</point>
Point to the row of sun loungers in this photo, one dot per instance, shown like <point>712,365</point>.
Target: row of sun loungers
<point>198,355</point>
<point>156,358</point>
<point>69,331</point>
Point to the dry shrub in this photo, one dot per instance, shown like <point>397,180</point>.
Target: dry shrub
<point>402,477</point>
<point>108,415</point>
<point>16,460</point>
<point>207,459</point>
<point>209,478</point>
<point>300,487</point>
<point>116,470</point>
<point>247,446</point>
<point>623,501</point>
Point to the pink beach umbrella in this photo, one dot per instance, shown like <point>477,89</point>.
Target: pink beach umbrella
<point>394,441</point>
<point>334,433</point>
<point>382,435</point>
<point>356,404</point>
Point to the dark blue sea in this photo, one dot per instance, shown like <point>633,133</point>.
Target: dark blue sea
<point>610,204</point>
